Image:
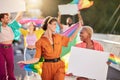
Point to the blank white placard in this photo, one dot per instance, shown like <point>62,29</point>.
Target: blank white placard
<point>88,63</point>
<point>69,9</point>
<point>7,6</point>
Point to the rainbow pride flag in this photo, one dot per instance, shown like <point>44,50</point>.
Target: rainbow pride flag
<point>37,67</point>
<point>114,59</point>
<point>82,4</point>
<point>75,2</point>
<point>37,22</point>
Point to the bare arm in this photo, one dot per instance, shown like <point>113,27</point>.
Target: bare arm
<point>18,16</point>
<point>76,32</point>
<point>34,60</point>
<point>80,18</point>
<point>59,20</point>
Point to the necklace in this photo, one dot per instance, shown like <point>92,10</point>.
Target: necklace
<point>51,40</point>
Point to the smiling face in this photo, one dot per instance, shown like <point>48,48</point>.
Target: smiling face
<point>52,26</point>
<point>31,27</point>
<point>84,35</point>
<point>5,19</point>
<point>69,20</point>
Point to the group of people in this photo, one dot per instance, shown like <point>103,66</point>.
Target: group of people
<point>43,42</point>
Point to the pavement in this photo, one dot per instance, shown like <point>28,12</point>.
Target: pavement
<point>113,74</point>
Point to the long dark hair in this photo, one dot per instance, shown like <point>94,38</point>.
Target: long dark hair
<point>48,20</point>
<point>28,24</point>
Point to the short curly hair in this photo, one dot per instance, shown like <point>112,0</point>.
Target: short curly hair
<point>88,29</point>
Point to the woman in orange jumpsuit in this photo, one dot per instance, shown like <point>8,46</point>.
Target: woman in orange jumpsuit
<point>50,46</point>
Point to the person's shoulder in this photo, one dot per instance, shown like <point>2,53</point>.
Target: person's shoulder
<point>81,44</point>
<point>98,46</point>
<point>9,27</point>
<point>57,34</point>
<point>96,42</point>
<point>65,26</point>
<point>78,44</point>
<point>74,24</point>
<point>41,39</point>
<point>12,22</point>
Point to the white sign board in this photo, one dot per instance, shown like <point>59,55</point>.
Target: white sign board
<point>69,9</point>
<point>88,63</point>
<point>7,6</point>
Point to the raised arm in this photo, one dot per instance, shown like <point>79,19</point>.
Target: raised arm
<point>59,21</point>
<point>79,27</point>
<point>76,32</point>
<point>80,18</point>
<point>19,16</point>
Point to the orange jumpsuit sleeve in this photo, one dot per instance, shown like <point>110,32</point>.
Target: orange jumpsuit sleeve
<point>38,49</point>
<point>65,41</point>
